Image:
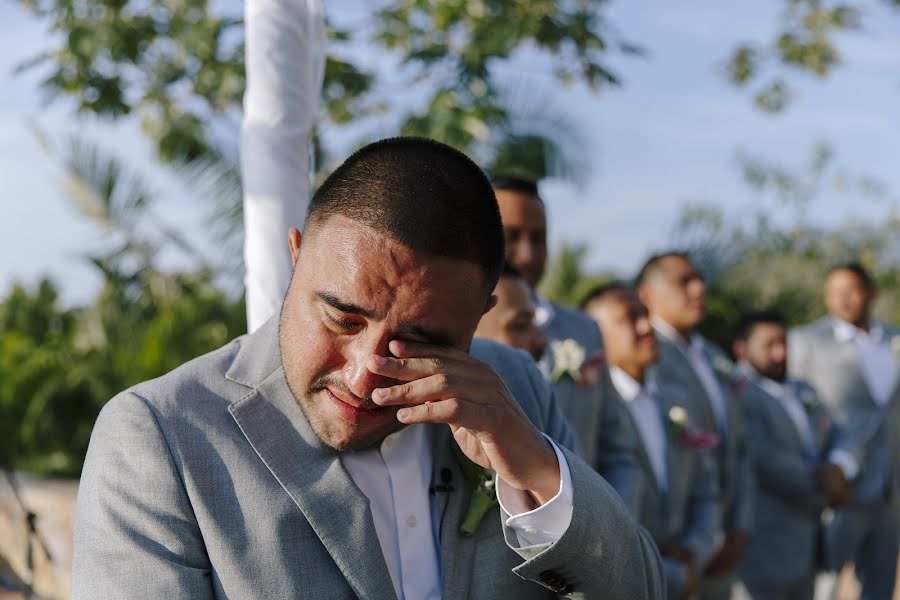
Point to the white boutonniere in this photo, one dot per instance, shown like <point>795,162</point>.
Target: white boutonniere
<point>568,356</point>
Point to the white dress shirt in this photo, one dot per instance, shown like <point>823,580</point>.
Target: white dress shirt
<point>395,477</point>
<point>699,360</point>
<point>787,393</point>
<point>543,310</point>
<point>875,356</point>
<point>285,59</point>
<point>645,411</point>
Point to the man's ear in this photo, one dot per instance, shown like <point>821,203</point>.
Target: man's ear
<point>739,347</point>
<point>642,295</point>
<point>491,303</point>
<point>294,237</point>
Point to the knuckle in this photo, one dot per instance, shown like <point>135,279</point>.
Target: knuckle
<point>442,381</point>
<point>454,408</point>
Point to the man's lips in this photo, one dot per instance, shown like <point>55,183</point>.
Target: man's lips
<point>353,410</point>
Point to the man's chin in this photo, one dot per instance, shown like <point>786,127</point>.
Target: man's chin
<point>347,438</point>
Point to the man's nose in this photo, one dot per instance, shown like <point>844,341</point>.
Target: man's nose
<point>357,375</point>
<point>524,252</point>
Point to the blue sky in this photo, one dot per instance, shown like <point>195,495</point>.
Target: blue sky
<point>668,136</point>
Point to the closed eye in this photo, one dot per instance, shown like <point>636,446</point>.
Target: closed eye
<point>341,323</point>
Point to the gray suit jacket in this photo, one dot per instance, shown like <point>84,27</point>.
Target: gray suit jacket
<point>606,439</point>
<point>732,457</point>
<point>687,513</point>
<point>872,430</point>
<point>210,483</point>
<point>782,548</point>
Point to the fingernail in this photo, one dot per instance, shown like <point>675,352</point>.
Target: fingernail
<point>379,394</point>
<point>403,413</point>
<point>379,360</point>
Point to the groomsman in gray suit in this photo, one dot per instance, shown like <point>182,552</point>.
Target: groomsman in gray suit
<point>573,361</point>
<point>673,290</point>
<point>360,445</point>
<point>679,501</point>
<point>801,460</point>
<point>852,361</point>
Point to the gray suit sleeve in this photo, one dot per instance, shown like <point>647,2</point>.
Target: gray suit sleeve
<point>136,535</point>
<point>703,520</point>
<point>603,553</point>
<point>676,575</point>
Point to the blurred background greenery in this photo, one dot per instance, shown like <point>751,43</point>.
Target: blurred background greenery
<point>177,66</point>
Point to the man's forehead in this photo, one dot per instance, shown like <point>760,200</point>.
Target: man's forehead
<point>677,266</point>
<point>519,204</point>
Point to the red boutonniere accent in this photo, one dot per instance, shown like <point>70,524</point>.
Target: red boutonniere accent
<point>685,435</point>
<point>591,372</point>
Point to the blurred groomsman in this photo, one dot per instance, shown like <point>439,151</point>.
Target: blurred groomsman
<point>678,504</point>
<point>673,290</point>
<point>573,361</point>
<point>801,463</point>
<point>511,322</point>
<point>851,360</point>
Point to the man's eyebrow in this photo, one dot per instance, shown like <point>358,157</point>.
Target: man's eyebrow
<point>347,307</point>
<point>438,338</point>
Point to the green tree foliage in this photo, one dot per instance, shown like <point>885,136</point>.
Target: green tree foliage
<point>806,41</point>
<point>566,280</point>
<point>59,366</point>
<point>179,66</point>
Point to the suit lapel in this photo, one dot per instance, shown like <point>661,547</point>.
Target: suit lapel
<point>457,552</point>
<point>783,421</point>
<point>313,476</point>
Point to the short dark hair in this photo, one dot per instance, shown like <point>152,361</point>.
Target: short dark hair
<point>601,291</point>
<point>652,265</point>
<point>422,194</point>
<point>857,269</point>
<point>517,184</point>
<point>747,322</point>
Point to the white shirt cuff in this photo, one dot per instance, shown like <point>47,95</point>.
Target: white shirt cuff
<point>845,462</point>
<point>544,524</point>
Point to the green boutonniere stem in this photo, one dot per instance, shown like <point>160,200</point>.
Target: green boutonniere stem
<point>483,499</point>
<point>484,494</point>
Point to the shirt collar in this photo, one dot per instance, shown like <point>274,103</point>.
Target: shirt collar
<point>845,332</point>
<point>628,387</point>
<point>778,389</point>
<point>668,332</point>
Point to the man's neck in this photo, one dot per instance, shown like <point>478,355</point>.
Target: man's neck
<point>666,327</point>
<point>864,323</point>
<point>635,371</point>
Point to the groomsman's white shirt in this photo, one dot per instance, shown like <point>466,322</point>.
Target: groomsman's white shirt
<point>693,350</point>
<point>285,59</point>
<point>395,477</point>
<point>786,393</point>
<point>875,356</point>
<point>642,406</point>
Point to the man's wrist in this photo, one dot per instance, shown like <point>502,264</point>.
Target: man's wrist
<point>548,482</point>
